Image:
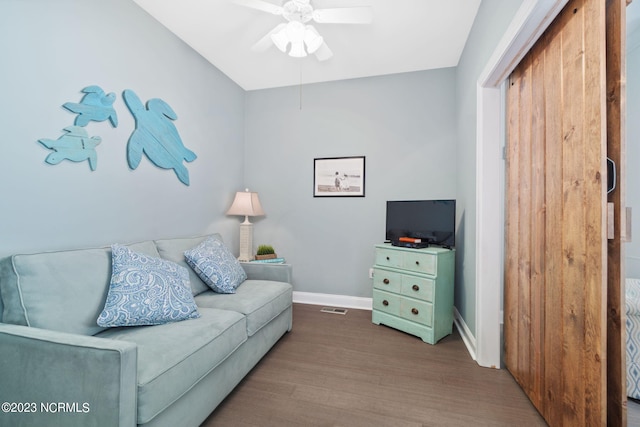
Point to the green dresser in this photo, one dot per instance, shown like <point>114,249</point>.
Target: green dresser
<point>413,290</point>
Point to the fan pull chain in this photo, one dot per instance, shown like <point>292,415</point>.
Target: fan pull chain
<point>300,62</point>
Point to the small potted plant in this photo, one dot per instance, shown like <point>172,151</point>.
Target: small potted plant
<point>265,252</point>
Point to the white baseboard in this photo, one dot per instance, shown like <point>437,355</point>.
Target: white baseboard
<point>333,300</point>
<point>467,337</point>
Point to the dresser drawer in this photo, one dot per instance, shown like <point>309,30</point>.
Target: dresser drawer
<point>418,287</point>
<point>416,311</point>
<point>388,258</point>
<point>420,262</point>
<point>386,302</point>
<point>387,280</point>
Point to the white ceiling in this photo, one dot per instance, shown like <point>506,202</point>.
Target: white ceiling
<point>406,35</point>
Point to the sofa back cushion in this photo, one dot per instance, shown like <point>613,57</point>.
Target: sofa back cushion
<point>63,291</point>
<point>173,250</point>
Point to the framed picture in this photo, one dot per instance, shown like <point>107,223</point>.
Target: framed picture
<point>338,177</point>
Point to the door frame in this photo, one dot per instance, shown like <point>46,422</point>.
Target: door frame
<point>530,21</point>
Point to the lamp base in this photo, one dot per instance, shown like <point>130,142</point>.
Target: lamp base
<point>246,242</point>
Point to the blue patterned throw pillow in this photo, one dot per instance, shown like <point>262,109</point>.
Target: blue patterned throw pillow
<point>146,290</point>
<point>216,266</point>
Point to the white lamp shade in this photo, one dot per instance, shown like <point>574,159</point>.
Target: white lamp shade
<point>246,203</point>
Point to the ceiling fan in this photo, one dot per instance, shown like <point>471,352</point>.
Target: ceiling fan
<point>304,38</point>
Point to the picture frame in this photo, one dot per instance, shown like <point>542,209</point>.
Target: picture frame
<point>339,176</point>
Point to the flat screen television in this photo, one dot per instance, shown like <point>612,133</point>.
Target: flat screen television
<point>431,221</point>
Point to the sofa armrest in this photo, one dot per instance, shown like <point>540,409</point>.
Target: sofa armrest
<point>59,379</point>
<point>266,271</point>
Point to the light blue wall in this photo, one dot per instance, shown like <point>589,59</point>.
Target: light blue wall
<point>405,126</point>
<point>52,49</point>
<point>494,16</point>
<point>632,248</point>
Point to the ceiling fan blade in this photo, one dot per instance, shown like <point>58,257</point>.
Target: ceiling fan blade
<point>344,15</point>
<point>323,53</point>
<point>266,42</point>
<point>262,5</point>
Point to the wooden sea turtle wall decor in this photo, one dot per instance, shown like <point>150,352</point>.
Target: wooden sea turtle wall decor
<point>75,145</point>
<point>95,106</point>
<point>156,136</point>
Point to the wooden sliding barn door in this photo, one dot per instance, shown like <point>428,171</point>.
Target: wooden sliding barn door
<point>616,150</point>
<point>556,231</point>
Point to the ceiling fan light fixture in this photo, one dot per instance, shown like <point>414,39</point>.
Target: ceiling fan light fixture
<point>297,50</point>
<point>312,39</point>
<point>295,31</point>
<point>280,39</point>
<point>304,39</point>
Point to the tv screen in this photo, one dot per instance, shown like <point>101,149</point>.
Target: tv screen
<point>432,221</point>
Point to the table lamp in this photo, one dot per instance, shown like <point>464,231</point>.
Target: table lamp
<point>248,204</point>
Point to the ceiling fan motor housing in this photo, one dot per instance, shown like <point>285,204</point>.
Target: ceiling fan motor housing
<point>298,11</point>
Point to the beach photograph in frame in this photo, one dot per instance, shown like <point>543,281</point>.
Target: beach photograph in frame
<point>338,177</point>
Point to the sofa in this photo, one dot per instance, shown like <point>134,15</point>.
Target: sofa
<point>58,367</point>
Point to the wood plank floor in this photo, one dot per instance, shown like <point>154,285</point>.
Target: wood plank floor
<point>342,370</point>
<point>633,413</point>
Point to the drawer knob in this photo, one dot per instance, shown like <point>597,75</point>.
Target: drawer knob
<point>417,262</point>
<point>415,288</point>
<point>385,303</point>
<point>414,311</point>
<point>385,281</point>
<point>387,258</point>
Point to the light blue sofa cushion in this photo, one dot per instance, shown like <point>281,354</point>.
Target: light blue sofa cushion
<point>173,250</point>
<point>146,290</point>
<point>216,266</point>
<point>173,357</point>
<point>259,300</point>
<point>62,291</point>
